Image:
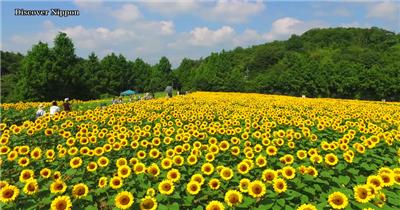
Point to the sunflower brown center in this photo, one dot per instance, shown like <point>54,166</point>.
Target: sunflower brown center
<point>61,205</point>
<point>148,204</point>
<point>8,193</point>
<point>124,200</point>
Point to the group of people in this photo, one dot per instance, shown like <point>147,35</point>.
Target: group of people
<point>54,108</point>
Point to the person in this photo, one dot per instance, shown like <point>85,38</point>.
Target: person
<point>40,112</point>
<point>54,108</point>
<point>169,90</point>
<point>67,105</point>
<point>114,101</point>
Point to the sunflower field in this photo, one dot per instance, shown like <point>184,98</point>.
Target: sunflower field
<point>206,151</point>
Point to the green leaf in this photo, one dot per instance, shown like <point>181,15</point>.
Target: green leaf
<point>162,207</point>
<point>344,180</point>
<point>90,207</point>
<point>174,206</point>
<point>281,202</point>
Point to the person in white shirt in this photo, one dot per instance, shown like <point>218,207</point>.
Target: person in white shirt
<point>40,112</point>
<point>54,108</point>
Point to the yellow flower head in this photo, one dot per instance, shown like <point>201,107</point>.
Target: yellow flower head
<point>256,189</point>
<point>8,193</point>
<point>166,187</point>
<point>61,203</point>
<point>80,190</point>
<point>233,197</point>
<point>31,187</point>
<point>124,200</point>
<point>148,203</point>
<point>193,187</point>
<point>215,205</point>
<point>338,200</point>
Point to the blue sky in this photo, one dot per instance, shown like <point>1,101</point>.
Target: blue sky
<point>178,29</point>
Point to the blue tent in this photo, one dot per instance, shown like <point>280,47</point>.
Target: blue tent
<point>128,92</point>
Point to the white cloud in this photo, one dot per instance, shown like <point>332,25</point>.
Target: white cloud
<point>385,10</point>
<point>234,11</point>
<point>171,8</point>
<point>167,27</point>
<point>203,36</point>
<point>284,27</point>
<point>248,37</point>
<point>128,12</point>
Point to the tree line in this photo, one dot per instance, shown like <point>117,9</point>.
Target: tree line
<point>336,62</point>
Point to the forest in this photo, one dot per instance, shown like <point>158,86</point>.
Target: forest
<point>350,63</point>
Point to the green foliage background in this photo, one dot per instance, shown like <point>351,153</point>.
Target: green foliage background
<point>335,62</point>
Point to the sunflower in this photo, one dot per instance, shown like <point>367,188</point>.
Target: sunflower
<point>166,163</point>
<point>261,161</point>
<point>233,197</point>
<point>178,160</point>
<point>301,154</point>
<point>61,203</point>
<point>56,175</point>
<point>215,205</point>
<point>207,168</point>
<point>193,188</point>
<point>244,184</point>
<point>148,203</point>
<point>331,159</point>
<point>75,162</point>
<point>58,186</point>
<point>269,175</point>
<point>31,187</point>
<point>91,167</point>
<point>153,169</point>
<point>8,193</point>
<point>124,171</point>
<point>307,207</point>
<point>338,200</point>
<point>280,185</point>
<point>226,173</point>
<point>362,193</point>
<point>24,161</point>
<point>166,187</point>
<point>198,178</point>
<point>288,172</point>
<point>243,168</point>
<point>376,181</point>
<point>124,200</point>
<point>116,182</point>
<point>387,178</point>
<point>139,168</point>
<point>12,155</point>
<point>26,175</point>
<point>256,189</point>
<point>271,150</point>
<point>80,190</point>
<point>312,171</point>
<point>102,182</point>
<point>121,162</point>
<point>150,192</point>
<point>3,184</point>
<point>214,184</point>
<point>174,175</point>
<point>103,161</point>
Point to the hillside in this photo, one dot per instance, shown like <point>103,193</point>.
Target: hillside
<point>334,62</point>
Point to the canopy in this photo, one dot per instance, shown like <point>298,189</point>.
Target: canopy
<point>128,92</point>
